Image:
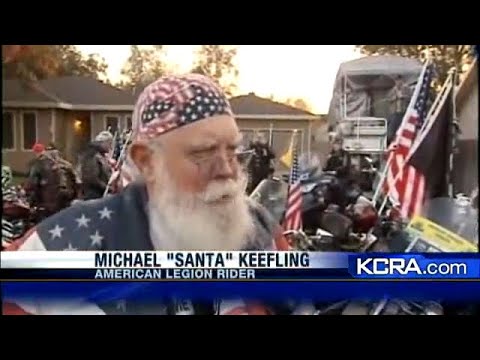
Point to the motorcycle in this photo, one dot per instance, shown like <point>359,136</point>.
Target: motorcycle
<point>458,216</point>
<point>335,215</point>
<point>457,222</point>
<point>17,216</point>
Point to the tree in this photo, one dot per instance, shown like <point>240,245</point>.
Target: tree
<point>218,62</point>
<point>143,67</point>
<point>76,64</point>
<point>444,56</point>
<point>32,62</point>
<point>299,104</point>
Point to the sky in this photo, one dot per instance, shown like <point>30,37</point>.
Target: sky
<point>281,71</point>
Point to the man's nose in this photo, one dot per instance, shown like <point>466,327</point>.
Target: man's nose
<point>224,167</point>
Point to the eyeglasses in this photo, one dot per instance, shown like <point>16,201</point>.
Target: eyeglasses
<point>211,164</point>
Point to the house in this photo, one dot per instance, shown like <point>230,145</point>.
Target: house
<point>466,161</point>
<point>68,111</point>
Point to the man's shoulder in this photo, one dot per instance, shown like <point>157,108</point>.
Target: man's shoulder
<point>266,227</point>
<point>81,226</point>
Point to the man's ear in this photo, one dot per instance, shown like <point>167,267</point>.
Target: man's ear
<point>142,157</point>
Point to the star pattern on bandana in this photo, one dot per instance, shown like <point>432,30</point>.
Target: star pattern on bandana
<point>155,110</point>
<point>163,111</point>
<point>205,104</point>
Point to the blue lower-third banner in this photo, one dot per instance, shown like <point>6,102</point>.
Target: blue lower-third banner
<point>262,267</point>
<point>459,290</point>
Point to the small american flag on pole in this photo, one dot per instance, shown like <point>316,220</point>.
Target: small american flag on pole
<point>293,214</point>
<point>405,184</point>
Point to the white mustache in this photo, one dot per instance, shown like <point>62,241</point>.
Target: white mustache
<point>219,189</point>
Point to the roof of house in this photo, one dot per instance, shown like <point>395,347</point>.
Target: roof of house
<point>69,92</point>
<point>251,105</point>
<point>84,93</point>
<point>465,87</point>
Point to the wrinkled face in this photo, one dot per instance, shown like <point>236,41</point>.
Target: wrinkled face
<point>196,186</point>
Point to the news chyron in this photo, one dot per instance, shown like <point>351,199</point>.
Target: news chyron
<point>235,266</point>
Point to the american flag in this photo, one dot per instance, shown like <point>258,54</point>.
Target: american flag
<point>405,184</point>
<point>293,214</point>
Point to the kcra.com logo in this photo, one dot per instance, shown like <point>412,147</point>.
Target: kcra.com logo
<point>400,267</point>
<point>387,266</point>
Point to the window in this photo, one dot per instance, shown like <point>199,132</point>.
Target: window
<point>128,122</point>
<point>8,132</point>
<point>29,126</point>
<point>112,124</point>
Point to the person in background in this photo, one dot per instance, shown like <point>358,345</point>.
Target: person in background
<point>70,183</point>
<point>50,185</point>
<point>399,99</point>
<point>337,157</point>
<point>260,166</point>
<point>94,167</point>
<point>188,195</point>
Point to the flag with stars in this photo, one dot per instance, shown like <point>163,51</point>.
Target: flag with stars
<point>116,223</point>
<point>293,213</point>
<point>405,184</point>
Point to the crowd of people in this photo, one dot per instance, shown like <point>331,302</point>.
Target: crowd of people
<point>53,183</point>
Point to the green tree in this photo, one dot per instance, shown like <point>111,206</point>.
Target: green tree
<point>445,57</point>
<point>75,63</point>
<point>218,62</point>
<point>32,62</point>
<point>143,67</point>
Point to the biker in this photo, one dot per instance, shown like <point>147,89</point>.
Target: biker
<point>336,158</point>
<point>260,166</point>
<point>185,187</point>
<point>49,186</point>
<point>94,167</point>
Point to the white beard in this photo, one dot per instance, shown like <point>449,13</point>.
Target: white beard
<point>191,222</point>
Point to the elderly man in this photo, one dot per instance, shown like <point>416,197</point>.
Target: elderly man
<point>189,191</point>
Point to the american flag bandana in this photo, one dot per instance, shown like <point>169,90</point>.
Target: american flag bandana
<point>169,103</point>
<point>174,101</point>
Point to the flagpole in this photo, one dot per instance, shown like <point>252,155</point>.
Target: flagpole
<point>121,158</point>
<point>453,133</point>
<point>383,176</point>
<point>270,135</point>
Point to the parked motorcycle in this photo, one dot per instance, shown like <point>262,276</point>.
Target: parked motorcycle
<point>456,219</point>
<point>456,215</point>
<point>17,216</point>
<point>335,215</point>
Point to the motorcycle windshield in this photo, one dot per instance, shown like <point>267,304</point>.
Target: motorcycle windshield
<point>272,194</point>
<point>446,225</point>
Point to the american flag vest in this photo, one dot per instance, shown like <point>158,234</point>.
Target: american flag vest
<point>119,223</point>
